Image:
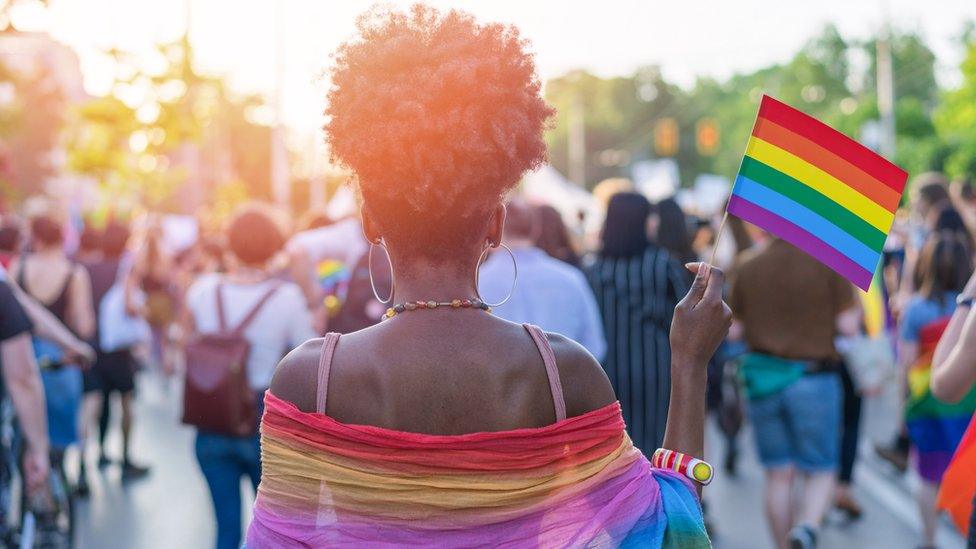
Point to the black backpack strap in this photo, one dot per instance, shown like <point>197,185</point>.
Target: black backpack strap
<point>255,310</point>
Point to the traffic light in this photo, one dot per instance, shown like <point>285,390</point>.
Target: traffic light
<point>666,137</point>
<point>706,136</point>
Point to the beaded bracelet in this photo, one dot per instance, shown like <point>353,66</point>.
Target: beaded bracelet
<point>693,468</point>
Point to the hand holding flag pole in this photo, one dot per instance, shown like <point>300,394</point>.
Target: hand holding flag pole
<point>818,189</point>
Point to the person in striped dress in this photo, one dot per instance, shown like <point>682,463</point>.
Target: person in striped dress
<point>637,286</point>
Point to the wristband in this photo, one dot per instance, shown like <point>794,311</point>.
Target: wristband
<point>693,468</point>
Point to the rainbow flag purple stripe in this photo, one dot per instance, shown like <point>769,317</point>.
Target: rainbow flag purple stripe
<point>817,189</point>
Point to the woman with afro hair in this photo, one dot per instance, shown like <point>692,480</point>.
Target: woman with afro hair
<point>444,426</point>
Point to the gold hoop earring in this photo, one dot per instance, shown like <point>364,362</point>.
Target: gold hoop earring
<point>372,283</point>
<point>477,277</point>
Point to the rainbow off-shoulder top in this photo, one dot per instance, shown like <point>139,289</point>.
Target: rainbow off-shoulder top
<point>579,482</point>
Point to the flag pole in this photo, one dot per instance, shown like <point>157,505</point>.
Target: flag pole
<point>718,236</point>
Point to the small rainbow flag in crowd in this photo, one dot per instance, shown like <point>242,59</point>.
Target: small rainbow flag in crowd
<point>958,485</point>
<point>877,314</point>
<point>818,189</point>
<point>333,277</point>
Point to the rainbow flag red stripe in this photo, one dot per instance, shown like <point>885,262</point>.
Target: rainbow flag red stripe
<point>817,189</point>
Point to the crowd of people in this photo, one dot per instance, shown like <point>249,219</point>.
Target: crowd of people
<point>98,303</point>
<point>632,315</point>
<point>75,307</point>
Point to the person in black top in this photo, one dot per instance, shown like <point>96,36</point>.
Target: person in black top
<point>672,232</point>
<point>63,287</point>
<point>22,382</point>
<point>114,371</point>
<point>102,270</point>
<point>90,256</point>
<point>637,285</point>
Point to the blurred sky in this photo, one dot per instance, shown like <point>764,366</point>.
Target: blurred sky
<point>236,38</point>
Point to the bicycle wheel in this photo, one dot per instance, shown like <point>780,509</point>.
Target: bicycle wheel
<point>47,520</point>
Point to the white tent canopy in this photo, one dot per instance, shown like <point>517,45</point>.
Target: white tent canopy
<point>547,185</point>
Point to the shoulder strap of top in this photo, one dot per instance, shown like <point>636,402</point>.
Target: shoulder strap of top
<point>21,275</point>
<point>549,358</point>
<point>325,366</point>
<point>59,304</point>
<point>66,285</point>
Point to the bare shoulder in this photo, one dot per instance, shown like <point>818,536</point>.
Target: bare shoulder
<point>80,274</point>
<point>296,377</point>
<point>585,384</point>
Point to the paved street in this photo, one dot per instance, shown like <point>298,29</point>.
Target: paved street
<point>171,508</point>
<point>890,515</point>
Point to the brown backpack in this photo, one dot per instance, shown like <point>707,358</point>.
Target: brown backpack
<point>216,395</point>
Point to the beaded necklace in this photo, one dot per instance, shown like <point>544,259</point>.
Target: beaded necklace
<point>453,304</point>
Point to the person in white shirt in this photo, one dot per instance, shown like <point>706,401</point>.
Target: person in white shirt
<point>282,323</point>
<point>550,293</point>
<point>341,241</point>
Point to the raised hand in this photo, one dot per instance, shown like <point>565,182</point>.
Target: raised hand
<point>702,319</point>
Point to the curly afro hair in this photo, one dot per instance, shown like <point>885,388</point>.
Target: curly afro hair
<point>438,116</point>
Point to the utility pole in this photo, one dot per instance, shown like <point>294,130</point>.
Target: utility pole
<point>886,87</point>
<point>280,180</point>
<point>577,141</point>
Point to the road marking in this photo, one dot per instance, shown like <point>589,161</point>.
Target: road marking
<point>895,496</point>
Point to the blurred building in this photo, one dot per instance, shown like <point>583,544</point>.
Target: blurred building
<point>581,212</point>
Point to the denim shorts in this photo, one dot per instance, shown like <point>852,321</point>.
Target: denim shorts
<point>62,398</point>
<point>800,425</point>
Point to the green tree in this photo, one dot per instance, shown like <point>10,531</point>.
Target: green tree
<point>136,142</point>
<point>618,116</point>
<point>814,80</point>
<point>820,79</point>
<point>956,117</point>
<point>913,67</point>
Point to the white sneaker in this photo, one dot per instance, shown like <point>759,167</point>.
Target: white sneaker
<point>803,536</point>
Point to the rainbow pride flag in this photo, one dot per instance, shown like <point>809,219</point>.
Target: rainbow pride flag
<point>333,277</point>
<point>877,315</point>
<point>958,485</point>
<point>818,189</point>
<point>579,482</point>
<point>934,427</point>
